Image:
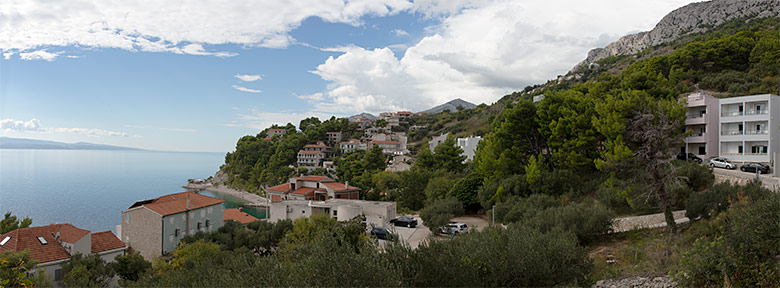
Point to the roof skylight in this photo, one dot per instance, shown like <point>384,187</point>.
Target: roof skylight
<point>43,241</point>
<point>5,240</point>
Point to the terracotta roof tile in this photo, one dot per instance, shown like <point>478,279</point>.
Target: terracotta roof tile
<point>311,152</point>
<point>104,241</point>
<point>339,186</point>
<point>303,191</point>
<point>177,203</point>
<point>314,178</point>
<point>315,146</point>
<point>70,233</point>
<point>239,216</point>
<point>280,188</point>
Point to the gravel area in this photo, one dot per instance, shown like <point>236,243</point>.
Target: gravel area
<point>647,221</point>
<point>637,282</point>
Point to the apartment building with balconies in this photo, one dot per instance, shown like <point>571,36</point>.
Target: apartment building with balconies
<point>750,128</point>
<point>702,121</point>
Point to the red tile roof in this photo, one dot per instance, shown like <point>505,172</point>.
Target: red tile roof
<point>104,241</point>
<point>239,216</point>
<point>313,178</point>
<point>339,186</point>
<point>303,191</point>
<point>310,152</point>
<point>277,129</point>
<point>27,239</point>
<point>315,146</point>
<point>280,188</point>
<point>177,203</point>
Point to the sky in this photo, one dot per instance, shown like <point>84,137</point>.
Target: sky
<point>196,75</point>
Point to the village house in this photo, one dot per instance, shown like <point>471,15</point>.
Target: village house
<point>54,244</point>
<point>351,145</point>
<point>312,188</point>
<point>404,115</point>
<point>377,213</point>
<point>333,137</point>
<point>312,155</point>
<point>154,227</point>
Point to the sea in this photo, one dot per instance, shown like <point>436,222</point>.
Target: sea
<point>91,188</point>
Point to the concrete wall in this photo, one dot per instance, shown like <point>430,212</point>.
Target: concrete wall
<point>49,271</point>
<point>142,231</point>
<point>214,213</point>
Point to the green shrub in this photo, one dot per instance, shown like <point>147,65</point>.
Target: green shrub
<point>698,177</point>
<point>441,212</point>
<point>516,209</point>
<point>586,221</point>
<point>709,203</point>
<point>744,254</point>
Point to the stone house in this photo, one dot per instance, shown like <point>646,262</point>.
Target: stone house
<point>154,227</point>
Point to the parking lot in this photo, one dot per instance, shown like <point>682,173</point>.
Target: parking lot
<point>416,236</point>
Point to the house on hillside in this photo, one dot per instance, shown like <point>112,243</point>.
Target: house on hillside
<point>351,145</point>
<point>54,244</point>
<point>154,227</point>
<point>276,131</point>
<point>404,115</point>
<point>333,137</point>
<point>469,146</point>
<point>377,213</point>
<point>312,155</point>
<point>438,140</point>
<point>312,188</point>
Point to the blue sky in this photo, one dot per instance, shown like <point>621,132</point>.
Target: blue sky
<point>198,75</point>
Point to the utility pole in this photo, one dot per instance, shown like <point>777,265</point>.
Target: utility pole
<point>494,216</point>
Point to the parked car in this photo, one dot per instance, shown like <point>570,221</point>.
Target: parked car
<point>383,233</point>
<point>722,163</point>
<point>454,228</point>
<point>405,221</point>
<point>753,166</point>
<point>691,157</point>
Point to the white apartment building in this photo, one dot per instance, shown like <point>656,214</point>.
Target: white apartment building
<point>750,128</point>
<point>702,120</point>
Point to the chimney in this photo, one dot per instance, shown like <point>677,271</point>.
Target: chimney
<point>188,202</point>
<point>346,185</point>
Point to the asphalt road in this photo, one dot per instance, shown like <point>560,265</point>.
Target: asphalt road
<point>768,179</point>
<point>418,235</point>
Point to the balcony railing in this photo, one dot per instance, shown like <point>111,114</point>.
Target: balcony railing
<point>731,114</point>
<point>757,132</point>
<point>756,112</point>
<point>729,133</point>
<point>694,116</point>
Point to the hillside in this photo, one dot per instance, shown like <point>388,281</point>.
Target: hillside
<point>21,143</point>
<point>689,19</point>
<point>452,106</point>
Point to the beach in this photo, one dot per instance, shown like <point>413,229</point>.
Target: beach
<point>253,199</point>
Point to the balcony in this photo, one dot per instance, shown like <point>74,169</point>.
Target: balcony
<point>696,138</point>
<point>731,133</point>
<point>695,100</point>
<point>694,119</point>
<point>757,132</point>
<point>757,112</point>
<point>732,114</point>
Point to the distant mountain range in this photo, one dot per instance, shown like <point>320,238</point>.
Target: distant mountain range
<point>366,115</point>
<point>21,143</point>
<point>452,106</point>
<point>691,18</point>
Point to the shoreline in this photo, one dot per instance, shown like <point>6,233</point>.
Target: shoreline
<point>253,199</point>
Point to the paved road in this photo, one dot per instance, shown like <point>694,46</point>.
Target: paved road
<point>768,180</point>
<point>418,235</point>
<point>658,220</point>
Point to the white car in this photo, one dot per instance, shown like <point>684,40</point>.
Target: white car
<point>721,162</point>
<point>454,228</point>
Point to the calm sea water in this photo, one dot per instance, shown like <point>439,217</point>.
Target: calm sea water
<point>90,188</point>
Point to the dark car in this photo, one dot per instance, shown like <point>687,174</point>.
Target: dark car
<point>383,233</point>
<point>690,157</point>
<point>753,166</point>
<point>405,221</point>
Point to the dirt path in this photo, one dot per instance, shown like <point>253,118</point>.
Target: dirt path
<point>658,220</point>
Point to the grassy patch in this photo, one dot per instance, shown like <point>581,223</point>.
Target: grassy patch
<point>645,252</point>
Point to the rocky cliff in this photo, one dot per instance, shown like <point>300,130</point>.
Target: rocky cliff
<point>691,18</point>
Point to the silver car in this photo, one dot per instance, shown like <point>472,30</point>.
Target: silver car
<point>721,162</point>
<point>454,228</point>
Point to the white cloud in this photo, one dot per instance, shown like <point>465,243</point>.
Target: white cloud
<point>39,55</point>
<point>11,125</point>
<point>260,120</point>
<point>244,89</point>
<point>33,125</point>
<point>248,78</point>
<point>172,26</point>
<point>7,55</point>
<point>483,51</point>
<point>319,96</point>
<point>399,32</point>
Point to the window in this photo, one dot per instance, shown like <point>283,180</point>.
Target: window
<point>43,241</point>
<point>208,223</point>
<point>199,225</point>
<point>127,218</point>
<point>335,213</point>
<point>702,150</point>
<point>176,232</point>
<point>58,275</point>
<point>739,149</point>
